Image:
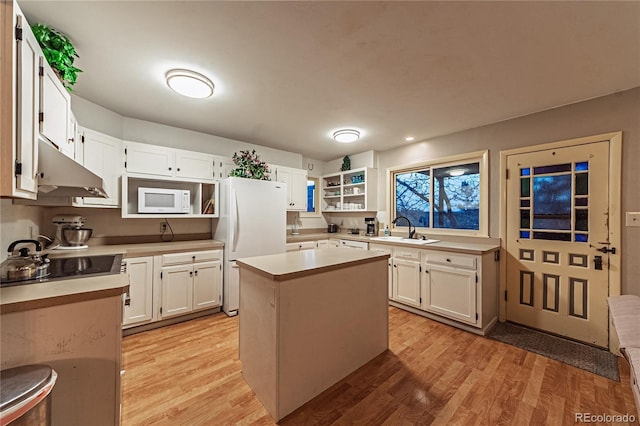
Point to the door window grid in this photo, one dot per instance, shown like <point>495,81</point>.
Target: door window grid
<point>561,192</point>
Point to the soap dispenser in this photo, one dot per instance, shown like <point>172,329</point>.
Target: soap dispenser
<point>386,231</point>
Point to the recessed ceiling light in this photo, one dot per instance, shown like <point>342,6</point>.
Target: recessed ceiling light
<point>189,83</point>
<point>456,172</point>
<point>346,135</point>
<point>409,138</point>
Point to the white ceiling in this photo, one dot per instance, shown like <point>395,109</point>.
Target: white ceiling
<point>288,73</point>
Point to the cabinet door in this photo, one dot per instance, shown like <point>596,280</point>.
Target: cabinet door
<point>406,282</point>
<point>283,174</point>
<point>55,106</point>
<point>450,292</point>
<point>177,290</point>
<point>27,108</point>
<point>207,285</point>
<point>139,307</point>
<point>101,154</point>
<point>298,190</point>
<point>149,159</point>
<point>194,165</point>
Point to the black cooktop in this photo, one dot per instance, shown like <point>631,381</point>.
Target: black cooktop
<point>63,268</point>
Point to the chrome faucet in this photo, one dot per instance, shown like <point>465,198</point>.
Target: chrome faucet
<point>411,233</point>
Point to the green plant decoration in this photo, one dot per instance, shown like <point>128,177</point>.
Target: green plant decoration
<point>249,166</point>
<point>59,52</point>
<point>346,164</point>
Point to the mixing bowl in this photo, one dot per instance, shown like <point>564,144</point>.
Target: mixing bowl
<point>77,236</point>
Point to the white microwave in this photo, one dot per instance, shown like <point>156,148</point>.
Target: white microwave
<point>162,200</point>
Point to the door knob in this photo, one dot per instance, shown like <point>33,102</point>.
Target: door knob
<point>597,262</point>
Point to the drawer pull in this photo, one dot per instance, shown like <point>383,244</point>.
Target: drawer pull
<point>449,260</point>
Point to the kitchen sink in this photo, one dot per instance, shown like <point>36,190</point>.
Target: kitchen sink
<point>404,240</point>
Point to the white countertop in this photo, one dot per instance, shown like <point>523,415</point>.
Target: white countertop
<point>141,249</point>
<point>295,264</point>
<point>479,247</point>
<point>57,292</point>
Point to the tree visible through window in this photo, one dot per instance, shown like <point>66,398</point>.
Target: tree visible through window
<point>440,197</point>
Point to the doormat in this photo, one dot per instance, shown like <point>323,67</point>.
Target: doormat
<point>594,360</point>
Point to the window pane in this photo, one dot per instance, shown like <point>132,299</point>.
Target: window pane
<point>555,236</point>
<point>582,183</point>
<point>582,220</point>
<point>524,187</point>
<point>582,166</point>
<point>311,196</point>
<point>412,196</point>
<point>456,197</point>
<point>582,238</point>
<point>525,172</point>
<point>524,219</point>
<point>552,202</point>
<point>556,168</point>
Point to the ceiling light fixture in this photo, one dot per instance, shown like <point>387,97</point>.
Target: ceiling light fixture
<point>346,135</point>
<point>189,83</point>
<point>409,138</point>
<point>456,172</point>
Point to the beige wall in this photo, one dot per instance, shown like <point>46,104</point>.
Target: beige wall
<point>620,111</point>
<point>17,223</point>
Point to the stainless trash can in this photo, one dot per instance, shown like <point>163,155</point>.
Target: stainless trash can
<point>25,395</point>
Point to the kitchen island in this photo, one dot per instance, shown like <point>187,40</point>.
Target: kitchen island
<point>308,319</point>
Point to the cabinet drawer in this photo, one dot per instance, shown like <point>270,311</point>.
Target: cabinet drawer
<point>190,257</point>
<point>406,253</point>
<point>379,248</point>
<point>457,260</point>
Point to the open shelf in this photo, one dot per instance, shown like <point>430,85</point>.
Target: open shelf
<point>204,197</point>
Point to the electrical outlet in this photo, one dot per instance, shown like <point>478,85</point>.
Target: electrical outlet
<point>163,227</point>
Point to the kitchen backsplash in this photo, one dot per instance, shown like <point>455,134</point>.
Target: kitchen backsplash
<point>17,223</point>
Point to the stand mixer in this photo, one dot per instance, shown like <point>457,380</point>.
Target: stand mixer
<point>70,226</point>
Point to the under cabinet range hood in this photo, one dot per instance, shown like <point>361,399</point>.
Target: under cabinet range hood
<point>60,176</point>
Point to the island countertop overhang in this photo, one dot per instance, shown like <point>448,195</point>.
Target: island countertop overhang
<point>296,264</point>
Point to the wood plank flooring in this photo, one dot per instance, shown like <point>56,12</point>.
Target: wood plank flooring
<point>190,374</point>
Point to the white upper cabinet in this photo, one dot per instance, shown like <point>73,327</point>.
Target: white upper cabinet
<point>222,167</point>
<point>160,161</point>
<point>20,126</point>
<point>55,107</point>
<point>194,165</point>
<point>102,154</point>
<point>148,159</point>
<point>296,180</point>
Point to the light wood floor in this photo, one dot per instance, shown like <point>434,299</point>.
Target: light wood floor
<point>189,374</point>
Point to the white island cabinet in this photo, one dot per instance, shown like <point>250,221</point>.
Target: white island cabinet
<point>324,307</point>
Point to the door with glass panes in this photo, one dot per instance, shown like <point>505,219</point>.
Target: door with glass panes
<point>558,241</point>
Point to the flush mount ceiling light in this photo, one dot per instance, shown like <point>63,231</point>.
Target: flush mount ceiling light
<point>346,135</point>
<point>189,83</point>
<point>409,138</point>
<point>456,172</point>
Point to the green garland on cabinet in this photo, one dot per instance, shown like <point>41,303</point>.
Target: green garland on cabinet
<point>59,52</point>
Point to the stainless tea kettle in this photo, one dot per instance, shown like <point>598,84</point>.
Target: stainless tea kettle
<point>24,265</point>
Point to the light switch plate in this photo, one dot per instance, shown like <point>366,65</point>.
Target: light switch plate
<point>633,219</point>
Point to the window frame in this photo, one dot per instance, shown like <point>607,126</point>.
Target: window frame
<point>481,157</point>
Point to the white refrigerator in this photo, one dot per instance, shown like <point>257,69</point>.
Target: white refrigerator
<point>252,222</point>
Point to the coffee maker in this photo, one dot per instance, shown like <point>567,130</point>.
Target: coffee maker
<point>372,226</point>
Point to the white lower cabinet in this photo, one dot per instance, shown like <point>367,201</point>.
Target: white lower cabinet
<point>303,245</point>
<point>406,276</point>
<point>457,288</point>
<point>190,282</point>
<point>138,302</point>
<point>450,292</point>
<point>169,285</point>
